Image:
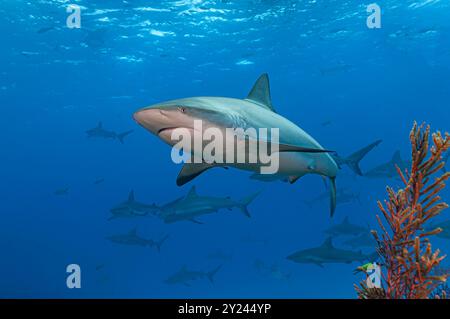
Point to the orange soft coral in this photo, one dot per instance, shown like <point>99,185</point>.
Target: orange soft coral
<point>404,245</point>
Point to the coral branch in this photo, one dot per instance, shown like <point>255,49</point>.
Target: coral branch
<point>409,261</point>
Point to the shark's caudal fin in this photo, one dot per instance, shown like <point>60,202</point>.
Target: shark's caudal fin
<point>332,195</point>
<point>260,93</point>
<point>160,242</point>
<point>354,159</point>
<point>245,202</point>
<point>121,136</point>
<point>212,273</point>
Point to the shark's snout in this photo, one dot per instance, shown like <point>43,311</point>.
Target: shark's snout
<point>152,119</point>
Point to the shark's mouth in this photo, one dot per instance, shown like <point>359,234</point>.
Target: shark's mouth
<point>166,129</point>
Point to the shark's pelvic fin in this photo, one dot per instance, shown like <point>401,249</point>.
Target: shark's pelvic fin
<point>260,92</point>
<point>191,171</point>
<point>332,195</point>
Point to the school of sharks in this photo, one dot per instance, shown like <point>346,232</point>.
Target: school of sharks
<point>300,153</point>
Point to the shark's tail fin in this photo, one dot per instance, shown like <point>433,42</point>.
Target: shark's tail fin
<point>212,273</point>
<point>243,203</point>
<point>355,158</point>
<point>121,136</point>
<point>160,242</point>
<point>332,195</point>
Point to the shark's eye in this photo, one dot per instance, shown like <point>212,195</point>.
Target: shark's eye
<point>182,109</point>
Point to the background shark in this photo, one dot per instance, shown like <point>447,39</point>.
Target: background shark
<point>352,161</point>
<point>326,253</point>
<point>389,170</point>
<point>299,154</point>
<point>192,206</point>
<point>343,196</point>
<point>100,132</point>
<point>131,238</point>
<point>185,276</point>
<point>363,240</point>
<point>132,208</point>
<point>346,228</point>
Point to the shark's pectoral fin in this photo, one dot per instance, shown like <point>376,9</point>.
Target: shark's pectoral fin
<point>195,221</point>
<point>191,171</point>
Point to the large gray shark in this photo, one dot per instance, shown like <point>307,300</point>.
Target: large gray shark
<point>352,161</point>
<point>299,153</point>
<point>191,206</point>
<point>326,253</point>
<point>133,239</point>
<point>346,229</point>
<point>185,276</point>
<point>389,170</point>
<point>100,132</point>
<point>132,208</point>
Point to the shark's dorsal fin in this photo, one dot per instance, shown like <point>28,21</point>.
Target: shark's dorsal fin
<point>328,243</point>
<point>192,193</point>
<point>131,196</point>
<point>396,158</point>
<point>260,93</point>
<point>191,171</point>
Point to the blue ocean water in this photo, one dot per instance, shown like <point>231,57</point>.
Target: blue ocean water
<point>343,83</point>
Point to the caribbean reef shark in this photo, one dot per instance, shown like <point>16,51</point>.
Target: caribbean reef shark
<point>346,228</point>
<point>299,153</point>
<point>352,161</point>
<point>326,253</point>
<point>363,240</point>
<point>132,208</point>
<point>133,239</point>
<point>100,132</point>
<point>191,206</point>
<point>343,196</point>
<point>185,276</point>
<point>389,170</point>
